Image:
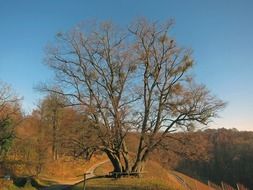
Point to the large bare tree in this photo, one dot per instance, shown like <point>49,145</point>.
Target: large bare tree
<point>132,80</point>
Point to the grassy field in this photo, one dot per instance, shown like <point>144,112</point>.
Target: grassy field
<point>64,170</point>
<point>125,184</point>
<point>68,170</point>
<point>155,177</point>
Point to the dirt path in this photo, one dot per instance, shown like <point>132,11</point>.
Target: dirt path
<point>67,186</point>
<point>182,181</point>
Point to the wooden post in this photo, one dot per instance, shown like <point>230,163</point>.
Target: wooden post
<point>84,181</point>
<point>208,183</point>
<point>222,185</point>
<point>196,187</point>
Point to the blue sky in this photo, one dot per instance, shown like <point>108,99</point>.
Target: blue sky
<point>220,32</point>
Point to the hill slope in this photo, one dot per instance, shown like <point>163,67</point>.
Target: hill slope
<point>155,177</point>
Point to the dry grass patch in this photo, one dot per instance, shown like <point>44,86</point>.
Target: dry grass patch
<point>67,170</point>
<point>125,184</point>
<point>154,178</point>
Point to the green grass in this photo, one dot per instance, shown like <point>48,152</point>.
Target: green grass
<point>125,183</point>
<point>22,184</point>
<point>26,187</point>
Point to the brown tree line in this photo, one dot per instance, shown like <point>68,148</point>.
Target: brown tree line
<point>29,142</point>
<point>224,155</point>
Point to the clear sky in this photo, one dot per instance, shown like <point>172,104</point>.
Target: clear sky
<point>220,32</point>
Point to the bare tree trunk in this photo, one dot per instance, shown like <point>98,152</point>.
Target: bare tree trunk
<point>140,161</point>
<point>138,166</point>
<point>125,156</point>
<point>115,160</point>
<point>126,162</point>
<point>54,143</point>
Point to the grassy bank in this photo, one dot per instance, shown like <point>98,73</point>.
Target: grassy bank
<point>125,184</point>
<point>155,177</point>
